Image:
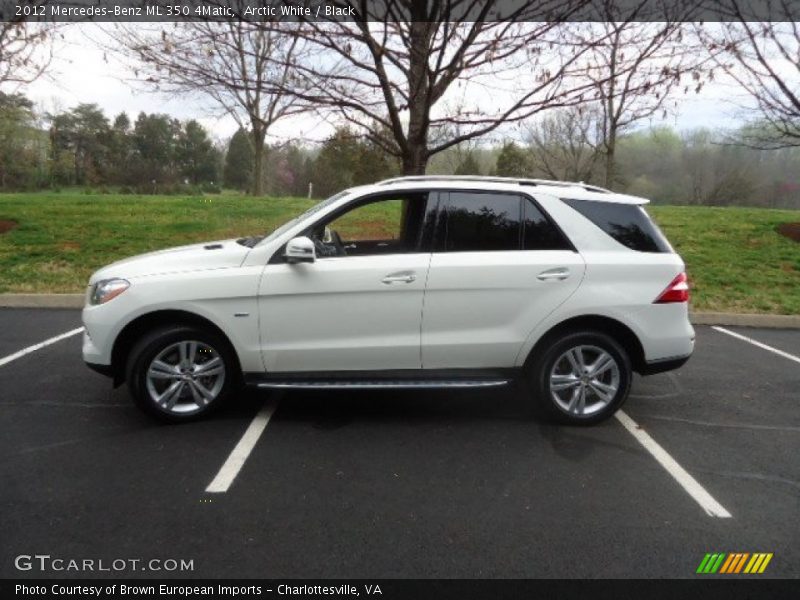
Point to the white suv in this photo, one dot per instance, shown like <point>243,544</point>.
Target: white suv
<point>415,282</point>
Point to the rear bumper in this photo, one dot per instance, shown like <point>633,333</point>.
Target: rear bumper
<point>664,364</point>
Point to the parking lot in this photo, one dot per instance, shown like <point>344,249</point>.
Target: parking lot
<point>411,484</point>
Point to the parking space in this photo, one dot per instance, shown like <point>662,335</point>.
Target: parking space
<point>23,327</point>
<point>412,484</point>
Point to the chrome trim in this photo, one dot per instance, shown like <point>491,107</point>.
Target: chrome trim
<point>380,385</point>
<point>491,179</point>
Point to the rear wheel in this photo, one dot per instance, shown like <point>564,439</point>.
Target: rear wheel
<point>581,378</point>
<point>181,373</point>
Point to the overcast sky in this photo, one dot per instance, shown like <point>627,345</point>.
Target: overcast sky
<point>82,74</point>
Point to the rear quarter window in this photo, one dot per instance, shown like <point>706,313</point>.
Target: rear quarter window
<point>629,224</point>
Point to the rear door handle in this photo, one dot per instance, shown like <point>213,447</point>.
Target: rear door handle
<point>399,278</point>
<point>559,274</point>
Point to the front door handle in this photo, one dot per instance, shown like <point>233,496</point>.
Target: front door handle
<point>558,274</point>
<point>399,278</point>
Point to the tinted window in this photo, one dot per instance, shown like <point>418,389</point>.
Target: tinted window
<point>477,221</point>
<point>539,233</point>
<point>387,225</point>
<point>629,224</point>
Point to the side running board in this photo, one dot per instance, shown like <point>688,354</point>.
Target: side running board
<point>381,385</point>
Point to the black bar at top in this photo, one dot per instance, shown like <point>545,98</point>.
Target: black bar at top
<point>399,10</point>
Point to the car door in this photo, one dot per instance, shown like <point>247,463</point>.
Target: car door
<point>498,268</point>
<point>358,306</point>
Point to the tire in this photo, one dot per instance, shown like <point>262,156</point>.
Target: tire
<point>560,364</point>
<point>184,354</point>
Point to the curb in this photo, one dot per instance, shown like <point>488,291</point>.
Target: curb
<point>697,318</point>
<point>42,300</point>
<point>746,320</point>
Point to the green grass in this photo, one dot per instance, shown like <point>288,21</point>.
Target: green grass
<point>736,260</point>
<point>62,238</point>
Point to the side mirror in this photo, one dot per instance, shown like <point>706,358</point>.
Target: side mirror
<point>300,249</point>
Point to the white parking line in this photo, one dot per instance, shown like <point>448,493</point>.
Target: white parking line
<point>230,469</point>
<point>39,346</point>
<point>757,343</point>
<point>686,481</point>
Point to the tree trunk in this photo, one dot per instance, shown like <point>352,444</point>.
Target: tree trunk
<point>257,138</point>
<point>611,148</point>
<point>415,150</point>
<point>415,160</point>
<point>612,117</point>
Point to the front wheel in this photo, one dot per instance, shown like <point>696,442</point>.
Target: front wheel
<point>582,378</point>
<point>181,373</point>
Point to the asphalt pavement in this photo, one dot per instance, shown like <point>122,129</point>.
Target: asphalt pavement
<point>400,484</point>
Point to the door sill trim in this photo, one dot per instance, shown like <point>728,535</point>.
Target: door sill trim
<point>383,385</point>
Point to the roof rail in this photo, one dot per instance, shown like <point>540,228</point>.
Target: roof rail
<point>488,179</point>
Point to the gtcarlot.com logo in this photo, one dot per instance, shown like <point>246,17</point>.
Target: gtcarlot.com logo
<point>734,563</point>
<point>46,562</point>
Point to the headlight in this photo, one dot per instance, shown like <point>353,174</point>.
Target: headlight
<point>108,289</point>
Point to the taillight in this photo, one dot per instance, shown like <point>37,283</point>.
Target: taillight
<point>677,291</point>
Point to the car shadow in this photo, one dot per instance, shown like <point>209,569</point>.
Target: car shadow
<point>336,409</point>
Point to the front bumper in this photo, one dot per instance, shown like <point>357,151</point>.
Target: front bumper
<point>106,370</point>
<point>91,353</point>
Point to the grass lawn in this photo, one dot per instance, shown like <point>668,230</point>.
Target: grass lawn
<point>736,260</point>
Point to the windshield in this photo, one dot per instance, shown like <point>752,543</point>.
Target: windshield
<point>317,207</point>
<point>252,241</point>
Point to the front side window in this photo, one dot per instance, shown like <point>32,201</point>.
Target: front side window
<point>481,221</point>
<point>385,225</point>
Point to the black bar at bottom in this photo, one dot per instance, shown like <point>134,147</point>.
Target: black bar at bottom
<point>707,588</point>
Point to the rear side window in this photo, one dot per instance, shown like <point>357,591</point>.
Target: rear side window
<point>475,221</point>
<point>538,232</point>
<point>629,224</point>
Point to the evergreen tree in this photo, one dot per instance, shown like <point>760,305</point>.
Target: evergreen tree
<point>120,150</point>
<point>83,132</point>
<point>468,165</point>
<point>155,141</point>
<point>238,172</point>
<point>196,155</point>
<point>512,161</point>
<point>20,143</point>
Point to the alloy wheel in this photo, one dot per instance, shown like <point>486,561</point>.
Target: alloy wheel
<point>584,380</point>
<point>185,377</point>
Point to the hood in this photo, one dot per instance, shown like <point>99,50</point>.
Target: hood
<point>196,257</point>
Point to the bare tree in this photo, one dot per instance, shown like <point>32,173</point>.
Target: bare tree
<point>25,53</point>
<point>243,67</point>
<point>566,145</point>
<point>637,66</point>
<point>419,77</point>
<point>763,58</point>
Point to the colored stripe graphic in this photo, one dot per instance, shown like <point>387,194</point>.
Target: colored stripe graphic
<point>754,563</point>
<point>734,562</point>
<point>714,566</point>
<point>730,567</point>
<point>730,564</point>
<point>703,563</point>
<point>740,564</point>
<point>727,564</point>
<point>764,564</point>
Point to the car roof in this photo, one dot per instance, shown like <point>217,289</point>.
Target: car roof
<point>559,189</point>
